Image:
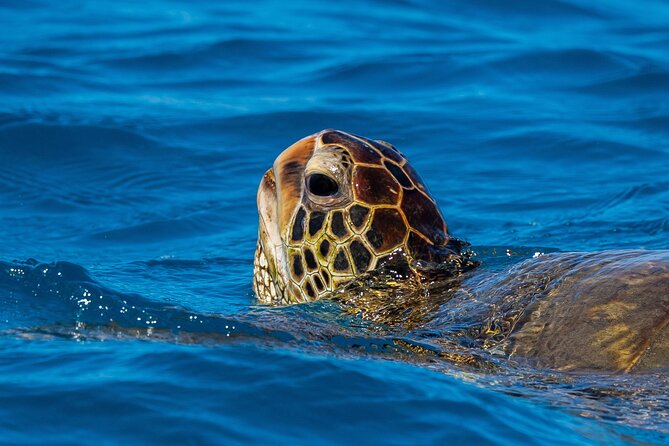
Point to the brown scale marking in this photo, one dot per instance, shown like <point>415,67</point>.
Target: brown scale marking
<point>394,264</point>
<point>358,214</point>
<point>389,152</point>
<point>316,220</point>
<point>375,238</point>
<point>291,169</point>
<point>375,186</point>
<point>415,178</point>
<point>310,290</point>
<point>360,152</point>
<point>423,215</point>
<point>319,283</point>
<point>419,249</point>
<point>298,269</point>
<point>341,263</point>
<point>387,230</point>
<point>324,248</point>
<point>337,225</point>
<point>310,259</point>
<point>298,225</point>
<point>361,256</point>
<point>288,170</point>
<point>333,137</point>
<point>399,174</point>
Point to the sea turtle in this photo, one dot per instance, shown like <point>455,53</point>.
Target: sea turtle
<point>337,207</point>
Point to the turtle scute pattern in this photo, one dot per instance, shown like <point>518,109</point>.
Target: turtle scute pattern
<point>390,210</point>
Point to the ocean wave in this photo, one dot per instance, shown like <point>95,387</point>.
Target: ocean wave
<point>643,83</point>
<point>132,141</point>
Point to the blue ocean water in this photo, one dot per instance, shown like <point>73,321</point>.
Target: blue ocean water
<point>132,140</point>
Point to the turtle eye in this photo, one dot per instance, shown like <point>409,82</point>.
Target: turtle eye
<point>322,185</point>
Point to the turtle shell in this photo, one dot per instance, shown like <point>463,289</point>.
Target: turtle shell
<point>606,311</point>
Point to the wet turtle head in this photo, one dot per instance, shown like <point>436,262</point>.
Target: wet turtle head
<point>335,207</point>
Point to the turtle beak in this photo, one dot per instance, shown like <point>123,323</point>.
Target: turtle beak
<point>269,234</point>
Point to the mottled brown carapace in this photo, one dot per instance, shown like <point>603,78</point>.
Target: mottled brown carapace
<point>336,206</point>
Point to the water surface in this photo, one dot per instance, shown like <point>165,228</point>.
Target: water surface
<point>132,140</point>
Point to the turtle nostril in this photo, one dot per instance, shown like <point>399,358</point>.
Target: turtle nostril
<point>322,185</point>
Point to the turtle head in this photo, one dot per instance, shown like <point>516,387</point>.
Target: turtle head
<point>336,206</point>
